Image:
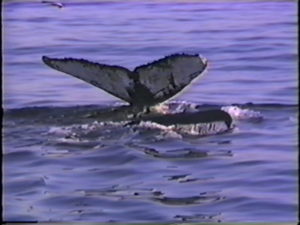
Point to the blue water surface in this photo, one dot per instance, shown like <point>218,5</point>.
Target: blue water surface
<point>60,166</point>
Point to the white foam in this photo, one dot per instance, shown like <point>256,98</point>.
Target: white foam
<point>202,129</point>
<point>153,125</point>
<point>293,118</point>
<point>71,140</point>
<point>59,130</point>
<point>242,114</point>
<point>185,106</point>
<point>175,107</point>
<point>177,130</point>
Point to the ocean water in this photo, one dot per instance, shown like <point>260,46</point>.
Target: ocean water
<point>65,156</point>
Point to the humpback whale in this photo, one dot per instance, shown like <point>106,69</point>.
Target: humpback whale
<point>146,85</point>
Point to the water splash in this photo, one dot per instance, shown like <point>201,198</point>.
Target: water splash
<point>238,113</point>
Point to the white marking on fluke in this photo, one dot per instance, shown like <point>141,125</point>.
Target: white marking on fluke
<point>146,85</point>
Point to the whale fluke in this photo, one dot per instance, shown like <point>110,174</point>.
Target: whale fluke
<point>146,85</point>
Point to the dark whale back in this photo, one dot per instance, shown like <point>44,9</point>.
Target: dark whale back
<point>208,116</point>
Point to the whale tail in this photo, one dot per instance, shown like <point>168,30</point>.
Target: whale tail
<point>146,85</point>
